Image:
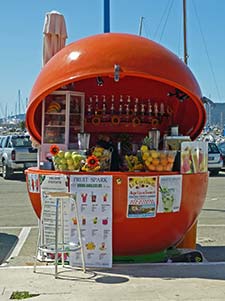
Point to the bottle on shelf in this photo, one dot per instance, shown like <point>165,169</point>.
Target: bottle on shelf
<point>89,108</point>
<point>121,105</point>
<point>149,110</point>
<point>162,109</point>
<point>112,108</point>
<point>96,105</point>
<point>103,105</point>
<point>142,112</point>
<point>156,109</point>
<point>104,109</point>
<point>136,107</point>
<point>128,109</point>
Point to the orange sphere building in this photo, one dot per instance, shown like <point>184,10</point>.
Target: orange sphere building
<point>124,64</point>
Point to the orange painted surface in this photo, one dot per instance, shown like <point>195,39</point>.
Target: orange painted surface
<point>148,70</point>
<point>189,240</point>
<point>137,236</point>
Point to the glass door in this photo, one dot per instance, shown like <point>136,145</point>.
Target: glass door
<point>76,117</point>
<point>55,119</point>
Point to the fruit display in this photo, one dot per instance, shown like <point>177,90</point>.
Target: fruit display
<point>68,160</point>
<point>155,160</point>
<point>104,157</point>
<point>54,107</point>
<point>92,164</point>
<point>193,159</point>
<point>133,163</point>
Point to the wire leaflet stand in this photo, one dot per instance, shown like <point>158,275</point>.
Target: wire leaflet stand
<point>58,245</point>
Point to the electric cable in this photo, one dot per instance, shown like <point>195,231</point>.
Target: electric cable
<point>161,19</point>
<point>167,17</point>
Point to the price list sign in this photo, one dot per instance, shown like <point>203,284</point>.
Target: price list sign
<point>94,200</point>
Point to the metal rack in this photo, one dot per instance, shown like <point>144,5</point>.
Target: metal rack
<point>59,245</point>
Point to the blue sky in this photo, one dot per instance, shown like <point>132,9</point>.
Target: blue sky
<point>22,22</point>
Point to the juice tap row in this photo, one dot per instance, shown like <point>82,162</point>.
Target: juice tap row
<point>99,105</point>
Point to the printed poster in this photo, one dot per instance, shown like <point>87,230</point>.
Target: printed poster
<point>50,186</point>
<point>194,157</point>
<point>94,200</point>
<point>170,192</point>
<point>33,183</point>
<point>142,197</point>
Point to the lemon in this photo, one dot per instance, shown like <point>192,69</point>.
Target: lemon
<point>149,160</point>
<point>144,148</point>
<point>154,154</point>
<point>145,156</point>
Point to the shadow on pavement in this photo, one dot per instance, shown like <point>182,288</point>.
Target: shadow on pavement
<point>168,271</point>
<point>17,177</point>
<point>7,243</point>
<point>220,175</point>
<point>213,253</point>
<point>214,210</point>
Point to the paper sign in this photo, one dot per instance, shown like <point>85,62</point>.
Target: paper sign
<point>170,191</point>
<point>94,199</point>
<point>33,183</point>
<point>142,197</point>
<point>51,185</point>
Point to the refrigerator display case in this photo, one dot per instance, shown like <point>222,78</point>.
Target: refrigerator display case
<point>62,119</point>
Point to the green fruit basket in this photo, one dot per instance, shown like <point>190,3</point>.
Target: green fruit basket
<point>69,160</point>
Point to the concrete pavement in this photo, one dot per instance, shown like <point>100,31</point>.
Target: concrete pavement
<point>149,281</point>
<point>154,281</point>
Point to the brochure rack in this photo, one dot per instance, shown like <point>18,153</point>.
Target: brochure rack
<point>59,245</point>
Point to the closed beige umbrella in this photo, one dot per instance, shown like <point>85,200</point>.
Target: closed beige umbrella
<point>55,35</point>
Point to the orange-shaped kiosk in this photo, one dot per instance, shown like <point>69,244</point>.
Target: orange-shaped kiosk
<point>129,65</point>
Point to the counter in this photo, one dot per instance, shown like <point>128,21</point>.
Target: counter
<point>139,236</point>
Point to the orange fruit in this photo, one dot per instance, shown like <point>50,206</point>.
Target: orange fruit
<point>170,158</point>
<point>163,155</point>
<point>163,161</point>
<point>155,162</point>
<point>159,167</point>
<point>151,167</point>
<point>169,167</point>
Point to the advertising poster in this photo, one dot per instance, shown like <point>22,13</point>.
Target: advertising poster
<point>33,183</point>
<point>194,157</point>
<point>94,200</point>
<point>170,191</point>
<point>142,197</point>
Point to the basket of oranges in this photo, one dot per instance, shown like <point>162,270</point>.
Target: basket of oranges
<point>158,160</point>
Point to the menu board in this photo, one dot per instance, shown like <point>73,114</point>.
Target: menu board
<point>142,197</point>
<point>94,200</point>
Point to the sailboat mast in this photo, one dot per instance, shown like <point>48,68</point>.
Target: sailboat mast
<point>140,26</point>
<point>185,32</point>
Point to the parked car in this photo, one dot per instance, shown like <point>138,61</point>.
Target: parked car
<point>215,160</point>
<point>16,154</point>
<point>221,147</point>
<point>1,139</point>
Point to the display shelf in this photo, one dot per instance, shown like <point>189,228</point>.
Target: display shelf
<point>54,126</point>
<point>62,119</point>
<point>117,128</point>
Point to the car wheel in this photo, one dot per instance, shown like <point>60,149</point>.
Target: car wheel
<point>6,171</point>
